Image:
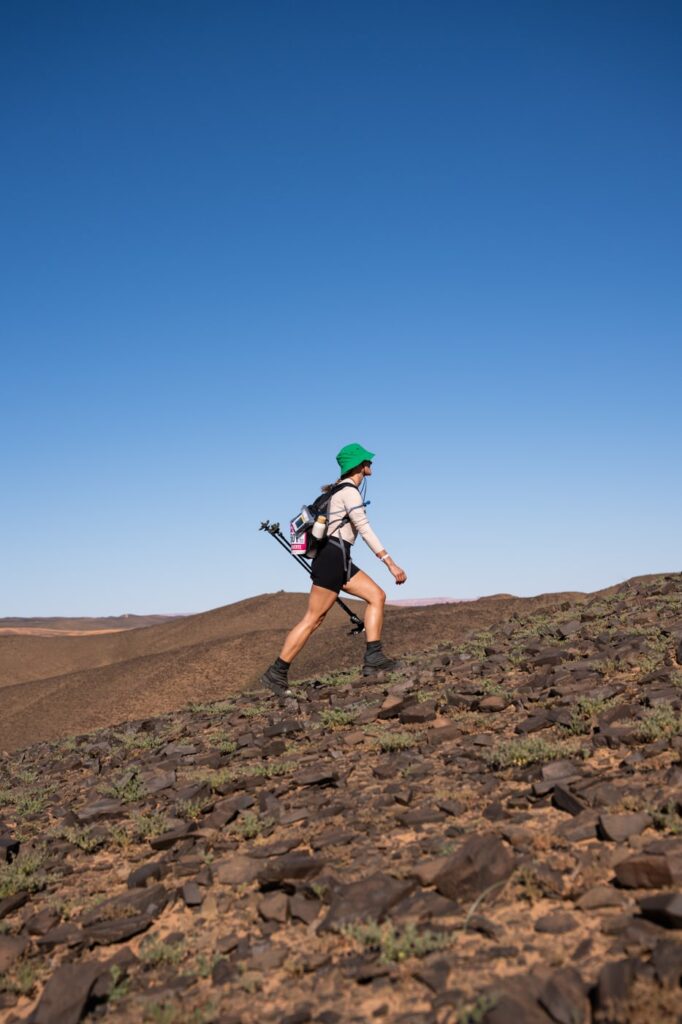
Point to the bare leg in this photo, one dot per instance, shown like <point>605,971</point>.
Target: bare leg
<point>319,603</point>
<point>364,586</point>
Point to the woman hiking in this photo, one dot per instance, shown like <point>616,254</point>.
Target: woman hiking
<point>332,571</point>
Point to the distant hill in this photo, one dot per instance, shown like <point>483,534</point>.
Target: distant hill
<point>78,626</point>
<point>59,685</point>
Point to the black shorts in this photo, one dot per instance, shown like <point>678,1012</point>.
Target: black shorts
<point>328,569</point>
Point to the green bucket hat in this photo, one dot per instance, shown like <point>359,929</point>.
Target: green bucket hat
<point>353,455</point>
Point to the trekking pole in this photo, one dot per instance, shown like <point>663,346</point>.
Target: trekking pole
<point>274,531</point>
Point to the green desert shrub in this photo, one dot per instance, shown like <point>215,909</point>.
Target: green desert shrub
<point>659,723</point>
<point>394,944</point>
<point>390,741</point>
<point>527,750</point>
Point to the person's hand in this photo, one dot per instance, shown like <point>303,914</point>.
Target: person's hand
<point>399,574</point>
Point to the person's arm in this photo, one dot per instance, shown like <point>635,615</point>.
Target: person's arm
<point>358,517</point>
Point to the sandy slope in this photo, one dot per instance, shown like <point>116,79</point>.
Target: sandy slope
<point>65,685</point>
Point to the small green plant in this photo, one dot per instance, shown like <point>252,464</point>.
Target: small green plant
<point>343,678</point>
<point>150,825</point>
<point>391,741</point>
<point>659,723</point>
<point>583,714</point>
<point>518,753</point>
<point>335,718</point>
<point>154,952</point>
<point>128,789</point>
<point>668,820</point>
<point>494,689</point>
<point>132,741</point>
<point>120,985</point>
<point>215,779</point>
<point>190,809</point>
<point>477,1011</point>
<point>397,945</point>
<point>224,744</point>
<point>649,663</point>
<point>119,836</point>
<point>319,889</point>
<point>529,887</point>
<point>250,825</point>
<point>271,769</point>
<point>476,645</point>
<point>211,708</point>
<point>205,964</point>
<point>30,803</point>
<point>21,981</point>
<point>255,710</point>
<point>82,838</point>
<point>161,1013</point>
<point>23,874</point>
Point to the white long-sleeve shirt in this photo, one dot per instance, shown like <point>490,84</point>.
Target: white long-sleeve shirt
<point>348,501</point>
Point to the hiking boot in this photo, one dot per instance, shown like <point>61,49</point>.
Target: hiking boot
<point>276,681</point>
<point>377,661</point>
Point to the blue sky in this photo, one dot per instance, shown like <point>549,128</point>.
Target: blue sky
<point>235,237</point>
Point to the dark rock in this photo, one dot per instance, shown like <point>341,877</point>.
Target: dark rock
<point>173,836</point>
<point>9,848</point>
<point>667,962</point>
<point>320,776</point>
<point>66,993</point>
<point>274,906</point>
<point>370,898</point>
<point>290,867</point>
<point>565,800</point>
<point>664,908</point>
<point>104,933</point>
<point>11,903</point>
<point>236,870</point>
<point>452,807</point>
<point>558,770</point>
<point>483,861</point>
<point>337,837</point>
<point>419,816</point>
<point>646,871</point>
<point>145,874</point>
<point>192,894</point>
<point>304,909</point>
<point>601,896</point>
<point>556,923</point>
<point>515,1001</point>
<point>494,703</point>
<point>564,998</point>
<point>68,934</point>
<point>566,629</point>
<point>40,923</point>
<point>99,809</point>
<point>155,780</point>
<point>276,849</point>
<point>11,948</point>
<point>533,724</point>
<point>619,827</point>
<point>285,727</point>
<point>582,826</point>
<point>418,714</point>
<point>150,902</point>
<point>613,989</point>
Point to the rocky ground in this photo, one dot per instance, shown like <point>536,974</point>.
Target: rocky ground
<point>490,835</point>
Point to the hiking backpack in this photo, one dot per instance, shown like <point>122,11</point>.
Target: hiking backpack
<point>303,542</point>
